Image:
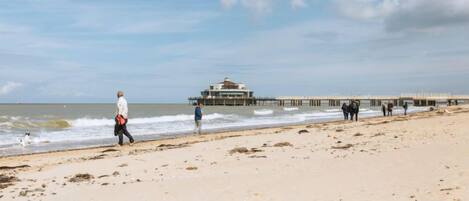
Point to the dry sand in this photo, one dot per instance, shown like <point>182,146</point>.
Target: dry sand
<point>423,156</point>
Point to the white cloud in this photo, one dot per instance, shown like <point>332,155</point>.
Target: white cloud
<point>261,7</point>
<point>295,4</point>
<point>403,15</point>
<point>9,87</point>
<point>228,3</point>
<point>366,9</point>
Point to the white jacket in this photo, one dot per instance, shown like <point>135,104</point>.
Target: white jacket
<point>122,107</point>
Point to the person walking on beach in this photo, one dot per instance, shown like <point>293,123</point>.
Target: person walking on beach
<point>390,106</point>
<point>383,108</point>
<point>345,110</point>
<point>198,119</point>
<point>122,119</point>
<point>405,106</point>
<point>354,109</point>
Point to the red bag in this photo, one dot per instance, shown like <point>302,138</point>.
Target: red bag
<point>120,120</point>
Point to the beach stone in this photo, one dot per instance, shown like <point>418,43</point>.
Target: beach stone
<point>303,131</point>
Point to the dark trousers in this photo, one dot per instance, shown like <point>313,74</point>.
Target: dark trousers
<point>345,115</point>
<point>384,112</point>
<point>353,114</point>
<point>122,129</point>
<point>389,112</point>
<point>405,111</point>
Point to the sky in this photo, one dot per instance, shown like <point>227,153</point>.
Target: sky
<point>83,51</point>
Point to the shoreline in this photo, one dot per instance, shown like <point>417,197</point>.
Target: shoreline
<point>190,134</point>
<point>418,156</point>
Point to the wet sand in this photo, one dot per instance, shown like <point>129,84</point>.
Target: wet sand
<point>423,156</point>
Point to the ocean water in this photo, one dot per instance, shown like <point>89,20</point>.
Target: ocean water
<point>66,126</point>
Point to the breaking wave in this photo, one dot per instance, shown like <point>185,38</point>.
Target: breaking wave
<point>263,112</point>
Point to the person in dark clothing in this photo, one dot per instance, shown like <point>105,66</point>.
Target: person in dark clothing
<point>122,119</point>
<point>390,106</point>
<point>350,111</point>
<point>383,108</point>
<point>345,110</point>
<point>405,106</point>
<point>354,109</point>
<point>198,119</point>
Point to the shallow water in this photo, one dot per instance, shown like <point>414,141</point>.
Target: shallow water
<point>59,126</point>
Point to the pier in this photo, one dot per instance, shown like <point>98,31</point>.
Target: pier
<point>229,93</point>
<point>423,99</point>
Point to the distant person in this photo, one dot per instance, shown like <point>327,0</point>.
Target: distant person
<point>198,119</point>
<point>345,110</point>
<point>390,107</point>
<point>383,108</point>
<point>354,109</point>
<point>26,140</point>
<point>122,119</point>
<point>405,106</point>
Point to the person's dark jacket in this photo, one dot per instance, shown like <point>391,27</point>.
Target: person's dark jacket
<point>345,108</point>
<point>355,108</point>
<point>390,106</point>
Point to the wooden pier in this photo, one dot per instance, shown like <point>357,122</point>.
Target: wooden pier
<point>336,101</point>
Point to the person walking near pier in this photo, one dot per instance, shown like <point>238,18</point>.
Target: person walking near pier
<point>405,106</point>
<point>383,108</point>
<point>354,109</point>
<point>345,110</point>
<point>122,119</point>
<point>390,106</point>
<point>198,118</point>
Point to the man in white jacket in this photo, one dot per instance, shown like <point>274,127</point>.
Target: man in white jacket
<point>122,114</point>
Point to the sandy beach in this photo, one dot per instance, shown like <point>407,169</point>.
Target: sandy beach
<point>423,156</point>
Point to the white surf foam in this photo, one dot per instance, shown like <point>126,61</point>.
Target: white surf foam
<point>263,112</point>
<point>289,109</point>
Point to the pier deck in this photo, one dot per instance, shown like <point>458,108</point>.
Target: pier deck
<point>335,101</point>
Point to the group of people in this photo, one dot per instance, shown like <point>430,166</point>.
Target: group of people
<point>387,109</point>
<point>351,110</point>
<point>121,119</point>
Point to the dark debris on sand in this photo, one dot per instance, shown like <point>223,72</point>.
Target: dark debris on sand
<point>109,150</point>
<point>6,181</point>
<point>303,131</point>
<point>283,144</point>
<point>347,146</point>
<point>14,167</point>
<point>81,178</point>
<point>244,150</point>
<point>191,168</point>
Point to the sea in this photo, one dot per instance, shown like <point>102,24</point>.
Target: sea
<point>56,127</point>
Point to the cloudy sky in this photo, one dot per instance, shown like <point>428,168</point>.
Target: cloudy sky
<point>167,50</point>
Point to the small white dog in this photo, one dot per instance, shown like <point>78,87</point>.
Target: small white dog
<point>26,139</point>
